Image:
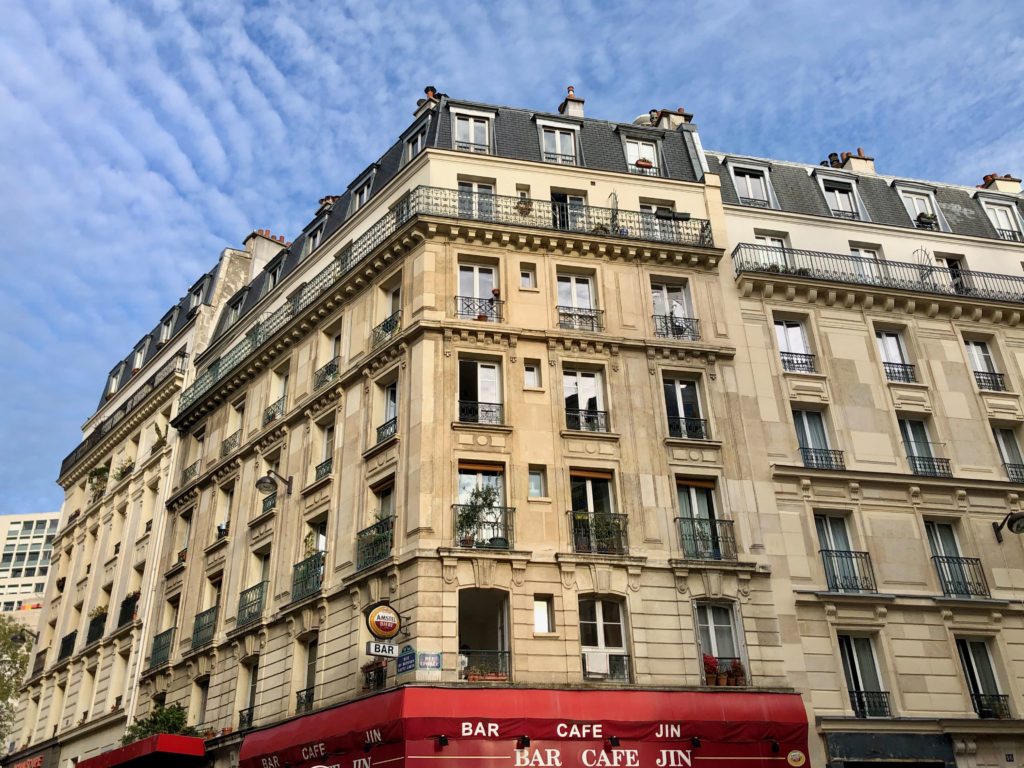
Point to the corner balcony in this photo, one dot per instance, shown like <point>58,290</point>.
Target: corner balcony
<point>599,532</point>
<point>847,571</point>
<point>489,528</point>
<point>822,458</point>
<point>961,576</point>
<point>386,329</point>
<point>373,544</point>
<point>308,576</point>
<point>702,539</point>
<point>672,327</point>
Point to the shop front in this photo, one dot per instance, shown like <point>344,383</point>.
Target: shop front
<point>44,755</point>
<point>162,751</point>
<point>530,728</point>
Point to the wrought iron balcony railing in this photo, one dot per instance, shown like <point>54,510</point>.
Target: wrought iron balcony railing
<point>473,412</point>
<point>991,706</point>
<point>617,668</point>
<point>644,171</point>
<point>847,571</point>
<point>702,539</point>
<point>250,604</point>
<point>901,372</point>
<point>484,666</point>
<point>469,146</point>
<point>870,703</point>
<point>161,651</point>
<point>586,421</point>
<point>324,468</point>
<point>269,502</point>
<point>96,628</point>
<point>374,543</point>
<point>798,362</point>
<point>245,718</point>
<point>387,430</point>
<point>203,627</point>
<point>599,532</point>
<point>1015,472</point>
<point>822,458</point>
<point>490,527</point>
<point>126,615</point>
<point>375,678</point>
<point>231,443</point>
<point>67,645</point>
<point>896,275</point>
<point>385,329</point>
<point>1010,234</point>
<point>838,213</point>
<point>308,576</point>
<point>304,701</point>
<point>560,158</point>
<point>672,327</point>
<point>489,310</point>
<point>690,429</point>
<point>992,382</point>
<point>961,576</point>
<point>927,466</point>
<point>325,374</point>
<point>754,202</point>
<point>190,473</point>
<point>454,204</point>
<point>274,411</point>
<point>575,319</point>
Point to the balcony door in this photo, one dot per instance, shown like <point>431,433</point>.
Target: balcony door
<point>716,632</point>
<point>891,348</point>
<point>810,430</point>
<point>791,337</point>
<point>576,292</point>
<point>480,392</point>
<point>947,558</point>
<point>584,401</point>
<point>916,439</point>
<point>866,263</point>
<point>476,200</point>
<point>980,356</point>
<point>841,573</point>
<point>568,211</point>
<point>682,404</point>
<point>603,639</point>
<point>862,679</point>
<point>477,281</point>
<point>595,527</point>
<point>698,527</point>
<point>981,679</point>
<point>1009,450</point>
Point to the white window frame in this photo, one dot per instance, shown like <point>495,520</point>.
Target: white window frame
<point>114,381</point>
<point>602,644</point>
<point>274,273</point>
<point>167,326</point>
<point>314,238</point>
<point>703,606</point>
<point>800,414</point>
<point>416,143</point>
<point>980,356</point>
<point>771,241</point>
<point>785,340</point>
<point>573,278</point>
<point>857,673</point>
<point>843,181</point>
<point>910,192</point>
<point>139,355</point>
<point>755,168</point>
<point>901,347</point>
<point>476,199</point>
<point>1000,438</point>
<point>540,472</point>
<point>473,115</point>
<point>652,145</point>
<point>527,277</point>
<point>970,643</point>
<point>571,128</point>
<point>195,297</point>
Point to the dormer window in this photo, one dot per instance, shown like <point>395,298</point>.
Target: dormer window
<point>273,277</point>
<point>114,380</point>
<point>140,355</point>
<point>841,198</point>
<point>415,143</point>
<point>234,312</point>
<point>361,195</point>
<point>473,134</point>
<point>752,182</point>
<point>167,326</point>
<point>922,209</point>
<point>1005,219</point>
<point>196,297</point>
<point>313,239</point>
<point>559,146</point>
<point>642,157</point>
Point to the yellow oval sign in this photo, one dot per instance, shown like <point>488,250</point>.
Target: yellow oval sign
<point>383,622</point>
<point>796,758</point>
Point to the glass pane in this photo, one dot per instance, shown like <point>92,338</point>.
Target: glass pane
<point>583,296</point>
<point>866,664</point>
<point>601,490</point>
<point>564,291</point>
<point>983,667</point>
<point>570,388</point>
<point>541,616</point>
<point>466,281</point>
<point>462,130</point>
<point>1009,448</point>
<point>632,152</point>
<point>549,142</point>
<point>849,663</point>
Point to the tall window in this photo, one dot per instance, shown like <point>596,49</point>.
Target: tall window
<point>584,401</point>
<point>478,293</point>
<point>841,199</point>
<point>673,314</point>
<point>981,679</point>
<point>751,187</point>
<point>361,195</point>
<point>956,574</point>
<point>313,239</point>
<point>576,304</point>
<point>273,277</point>
<point>845,570</point>
<point>813,440</point>
<point>862,680</point>
<point>476,200</point>
<point>595,526</point>
<point>793,348</point>
<point>247,716</point>
<point>603,639</point>
<point>472,134</point>
<point>1004,220</point>
<point>312,649</point>
<point>415,144</point>
<point>682,404</point>
<point>568,211</point>
<point>701,534</point>
<point>717,634</point>
<point>644,151</point>
<point>1009,451</point>
<point>920,450</point>
<point>894,356</point>
<point>560,146</point>
<point>480,397</point>
<point>986,374</point>
<point>866,262</point>
<point>481,517</point>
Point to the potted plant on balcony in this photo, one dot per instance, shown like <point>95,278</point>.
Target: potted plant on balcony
<point>124,469</point>
<point>471,514</point>
<point>644,163</point>
<point>524,206</point>
<point>710,670</point>
<point>737,673</point>
<point>98,611</point>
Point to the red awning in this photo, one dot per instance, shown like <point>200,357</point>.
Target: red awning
<point>565,728</point>
<point>163,749</point>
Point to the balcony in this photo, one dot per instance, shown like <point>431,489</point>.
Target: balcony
<point>702,539</point>
<point>961,576</point>
<point>689,429</point>
<point>1015,472</point>
<point>39,664</point>
<point>386,329</point>
<point>387,430</point>
<point>373,544</point>
<point>269,503</point>
<point>847,571</point>
<point>489,310</point>
<point>323,469</point>
<point>599,533</point>
<point>274,411</point>
<point>325,374</point>
<point>308,576</point>
<point>473,412</point>
<point>901,372</point>
<point>870,703</point>
<point>250,604</point>
<point>895,275</point>
<point>754,202</point>
<point>575,319</point>
<point>161,652</point>
<point>614,667</point>
<point>203,627</point>
<point>838,213</point>
<point>822,458</point>
<point>469,146</point>
<point>489,528</point>
<point>991,706</point>
<point>672,327</point>
<point>231,443</point>
<point>304,701</point>
<point>1010,234</point>
<point>190,473</point>
<point>990,381</point>
<point>245,718</point>
<point>644,170</point>
<point>923,463</point>
<point>560,158</point>
<point>798,362</point>
<point>96,628</point>
<point>586,421</point>
<point>126,614</point>
<point>484,666</point>
<point>67,645</point>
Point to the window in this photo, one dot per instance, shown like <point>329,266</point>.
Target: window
<point>472,134</point>
<point>537,482</point>
<point>195,298</point>
<point>476,200</point>
<point>986,374</point>
<point>200,697</point>
<point>921,208</point>
<point>954,571</point>
<point>584,401</point>
<point>384,496</point>
<point>361,195</point>
<point>813,440</point>
<point>568,211</point>
<point>167,326</point>
<point>702,536</point>
<point>841,199</point>
<point>140,355</point>
<point>894,357</point>
<point>576,304</point>
<point>531,374</point>
<point>527,277</point>
<point>862,681</point>
<point>1004,219</point>
<point>1009,450</point>
<point>655,227</point>
<point>480,399</point>
<point>273,277</point>
<point>328,442</point>
<point>716,633</point>
<point>865,262</point>
<point>793,347</point>
<point>773,241</point>
<point>479,484</point>
<point>559,146</point>
<point>673,315</point>
<point>603,639</point>
<point>543,614</point>
<point>919,447</point>
<point>114,380</point>
<point>642,157</point>
<point>389,407</point>
<point>595,526</point>
<point>845,570</point>
<point>313,239</point>
<point>682,404</point>
<point>751,187</point>
<point>246,716</point>
<point>415,143</point>
<point>981,679</point>
<point>478,293</point>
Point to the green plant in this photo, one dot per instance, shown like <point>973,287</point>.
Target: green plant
<point>124,469</point>
<point>99,610</point>
<point>471,514</point>
<point>309,544</point>
<point>13,664</point>
<point>172,719</point>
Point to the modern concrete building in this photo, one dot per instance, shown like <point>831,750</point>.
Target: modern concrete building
<point>577,404</point>
<point>25,563</point>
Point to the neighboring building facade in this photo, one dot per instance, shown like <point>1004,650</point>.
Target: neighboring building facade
<point>25,563</point>
<point>563,396</point>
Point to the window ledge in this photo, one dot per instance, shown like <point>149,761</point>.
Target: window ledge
<point>221,542</point>
<point>965,601</point>
<point>683,442</point>
<point>530,290</point>
<point>381,446</point>
<point>538,499</point>
<point>533,389</point>
<point>174,570</point>
<point>263,518</point>
<point>475,426</point>
<point>805,375</point>
<point>611,437</point>
<point>316,485</point>
<point>908,384</point>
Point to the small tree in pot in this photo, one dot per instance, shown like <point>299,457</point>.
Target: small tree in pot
<point>471,514</point>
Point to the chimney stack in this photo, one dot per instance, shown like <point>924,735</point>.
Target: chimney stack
<point>1005,183</point>
<point>573,105</point>
<point>859,163</point>
<point>422,105</point>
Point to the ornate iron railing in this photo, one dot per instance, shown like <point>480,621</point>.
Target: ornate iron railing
<point>870,703</point>
<point>40,662</point>
<point>126,614</point>
<point>308,576</point>
<point>961,576</point>
<point>385,329</point>
<point>161,651</point>
<point>94,632</point>
<point>1010,234</point>
<point>469,146</point>
<point>490,309</point>
<point>691,429</point>
<point>250,604</point>
<point>838,213</point>
<point>304,700</point>
<point>484,666</point>
<point>822,458</point>
<point>599,532</point>
<point>325,374</point>
<point>231,443</point>
<point>473,412</point>
<point>586,421</point>
<point>618,667</point>
<point>847,571</point>
<point>387,430</point>
<point>245,718</point>
<point>67,645</point>
<point>898,275</point>
<point>798,362</point>
<point>902,372</point>
<point>702,539</point>
<point>929,466</point>
<point>992,382</point>
<point>491,528</point>
<point>925,221</point>
<point>672,327</point>
<point>754,202</point>
<point>190,473</point>
<point>269,502</point>
<point>1015,472</point>
<point>324,468</point>
<point>639,170</point>
<point>991,706</point>
<point>374,543</point>
<point>574,319</point>
<point>274,411</point>
<point>203,627</point>
<point>560,157</point>
<point>375,678</point>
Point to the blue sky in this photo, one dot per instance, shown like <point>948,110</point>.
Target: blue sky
<point>138,139</point>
